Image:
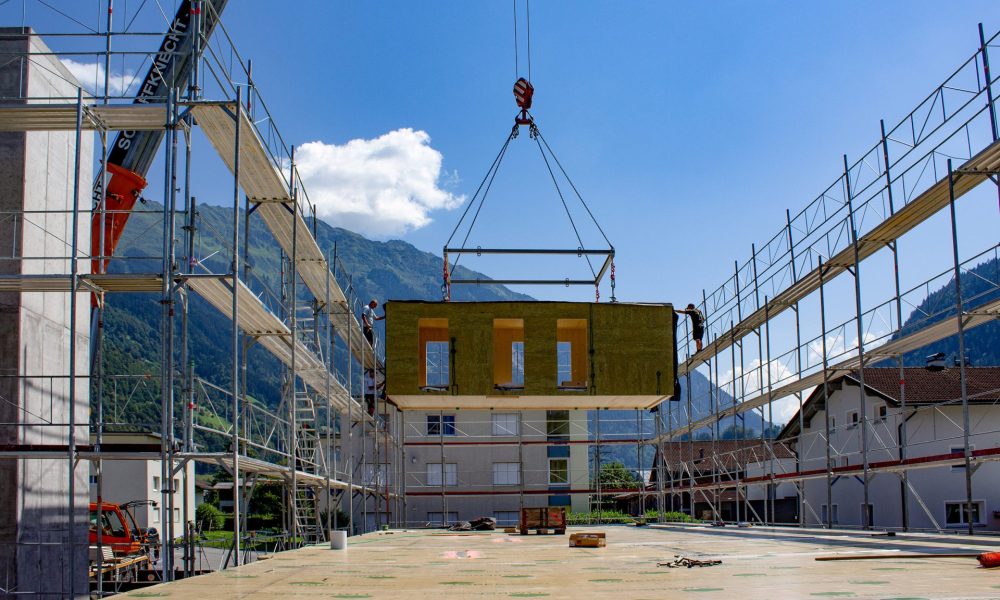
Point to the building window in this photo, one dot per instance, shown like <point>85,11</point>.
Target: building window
<point>833,423</point>
<point>156,483</point>
<point>437,364</point>
<point>438,517</point>
<point>434,474</point>
<point>507,518</point>
<point>960,450</point>
<point>433,346</point>
<point>558,471</point>
<point>156,515</point>
<point>564,363</point>
<point>868,515</point>
<point>852,418</point>
<point>571,354</point>
<point>517,363</point>
<point>557,424</point>
<point>506,473</point>
<point>504,424</point>
<point>881,412</point>
<point>177,515</point>
<point>833,517</point>
<point>177,486</point>
<point>957,513</point>
<point>435,422</point>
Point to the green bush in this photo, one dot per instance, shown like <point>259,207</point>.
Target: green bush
<point>210,517</point>
<point>604,516</point>
<point>669,517</point>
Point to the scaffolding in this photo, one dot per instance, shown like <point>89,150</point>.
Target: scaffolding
<point>944,150</point>
<point>319,443</point>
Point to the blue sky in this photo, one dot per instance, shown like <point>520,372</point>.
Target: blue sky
<point>688,128</point>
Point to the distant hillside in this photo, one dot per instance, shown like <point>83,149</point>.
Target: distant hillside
<point>385,270</point>
<point>982,344</point>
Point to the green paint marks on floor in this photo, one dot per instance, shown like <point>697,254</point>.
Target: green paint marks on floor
<point>381,577</point>
<point>472,570</point>
<point>654,572</point>
<point>606,580</point>
<point>456,583</point>
<point>527,595</point>
<point>856,582</point>
<point>703,589</point>
<point>517,576</point>
<point>833,594</point>
<point>308,583</point>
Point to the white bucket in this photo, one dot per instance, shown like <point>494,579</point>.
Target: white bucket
<point>338,540</point>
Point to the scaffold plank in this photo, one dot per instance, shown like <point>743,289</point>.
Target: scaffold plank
<point>62,117</point>
<point>314,270</point>
<point>106,282</point>
<point>973,172</point>
<point>938,331</point>
<point>257,321</point>
<point>259,175</point>
<point>265,185</point>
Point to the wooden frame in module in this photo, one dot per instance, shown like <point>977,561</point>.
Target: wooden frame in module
<point>529,355</point>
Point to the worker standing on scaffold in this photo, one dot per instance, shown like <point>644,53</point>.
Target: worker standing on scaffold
<point>697,324</point>
<point>368,318</point>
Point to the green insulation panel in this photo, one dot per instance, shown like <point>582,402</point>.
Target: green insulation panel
<point>529,354</point>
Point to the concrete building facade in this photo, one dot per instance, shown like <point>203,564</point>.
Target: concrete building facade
<point>494,463</point>
<point>37,174</point>
<point>930,422</point>
<point>141,480</point>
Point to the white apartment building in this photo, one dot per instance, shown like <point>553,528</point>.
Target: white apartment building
<point>141,480</point>
<point>461,465</point>
<point>922,407</point>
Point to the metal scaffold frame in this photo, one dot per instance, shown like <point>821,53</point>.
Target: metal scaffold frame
<point>941,151</point>
<point>320,442</point>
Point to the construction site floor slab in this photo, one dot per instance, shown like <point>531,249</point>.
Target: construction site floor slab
<point>756,563</point>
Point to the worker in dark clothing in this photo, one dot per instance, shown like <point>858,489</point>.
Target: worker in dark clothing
<point>697,324</point>
<point>368,319</point>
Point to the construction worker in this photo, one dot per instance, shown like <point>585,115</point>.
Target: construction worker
<point>368,318</point>
<point>697,324</point>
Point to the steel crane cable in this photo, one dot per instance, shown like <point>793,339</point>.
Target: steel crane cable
<point>569,215</point>
<point>487,181</point>
<point>573,186</point>
<point>527,20</point>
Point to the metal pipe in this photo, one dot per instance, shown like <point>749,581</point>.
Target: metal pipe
<point>826,396</point>
<point>293,332</point>
<point>862,399</point>
<point>235,372</point>
<point>74,281</point>
<point>959,314</point>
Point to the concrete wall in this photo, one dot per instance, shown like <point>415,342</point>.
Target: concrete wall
<point>37,173</point>
<point>932,430</point>
<point>631,346</point>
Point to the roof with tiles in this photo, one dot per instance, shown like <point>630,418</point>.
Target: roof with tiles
<point>921,386</point>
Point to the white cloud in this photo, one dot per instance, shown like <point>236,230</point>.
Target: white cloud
<point>91,77</point>
<point>382,187</point>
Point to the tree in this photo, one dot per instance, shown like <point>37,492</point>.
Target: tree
<point>614,475</point>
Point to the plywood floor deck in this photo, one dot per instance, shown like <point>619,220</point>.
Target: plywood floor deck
<point>757,563</point>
